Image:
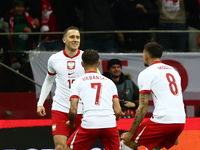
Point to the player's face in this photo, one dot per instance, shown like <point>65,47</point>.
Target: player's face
<point>115,71</point>
<point>72,40</point>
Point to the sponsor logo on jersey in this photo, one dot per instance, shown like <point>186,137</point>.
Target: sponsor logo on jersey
<point>70,73</point>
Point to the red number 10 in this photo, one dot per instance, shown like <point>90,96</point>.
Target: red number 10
<point>172,84</point>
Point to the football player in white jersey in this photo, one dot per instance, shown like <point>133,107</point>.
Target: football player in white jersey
<point>101,107</point>
<point>163,83</point>
<point>64,67</point>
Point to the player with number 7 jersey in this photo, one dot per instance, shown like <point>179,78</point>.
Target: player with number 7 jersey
<point>101,107</point>
<point>96,93</point>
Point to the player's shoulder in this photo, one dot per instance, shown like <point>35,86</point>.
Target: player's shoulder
<point>109,80</point>
<point>56,55</point>
<point>81,51</point>
<point>149,71</point>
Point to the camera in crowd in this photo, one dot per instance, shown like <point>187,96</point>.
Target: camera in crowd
<point>122,102</point>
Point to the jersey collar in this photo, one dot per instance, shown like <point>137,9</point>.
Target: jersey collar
<point>156,62</point>
<point>91,72</point>
<point>64,52</point>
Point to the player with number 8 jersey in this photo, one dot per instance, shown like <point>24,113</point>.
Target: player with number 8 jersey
<point>163,83</point>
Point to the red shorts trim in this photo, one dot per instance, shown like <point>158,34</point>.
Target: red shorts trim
<point>59,126</point>
<point>151,134</point>
<point>83,139</point>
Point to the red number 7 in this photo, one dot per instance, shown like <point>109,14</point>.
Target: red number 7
<point>98,85</point>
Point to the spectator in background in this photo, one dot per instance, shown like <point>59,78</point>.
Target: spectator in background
<point>193,22</point>
<point>128,92</point>
<point>49,42</point>
<point>134,15</point>
<point>34,6</point>
<point>19,20</point>
<point>5,6</point>
<point>96,15</point>
<point>172,17</point>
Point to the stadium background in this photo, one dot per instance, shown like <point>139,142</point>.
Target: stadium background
<point>21,128</point>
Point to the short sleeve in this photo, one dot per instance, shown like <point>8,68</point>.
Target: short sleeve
<point>114,89</point>
<point>75,89</point>
<point>144,82</point>
<point>50,68</point>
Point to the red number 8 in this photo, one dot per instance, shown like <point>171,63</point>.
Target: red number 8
<point>172,84</point>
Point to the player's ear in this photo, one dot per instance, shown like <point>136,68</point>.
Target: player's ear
<point>98,64</point>
<point>82,63</point>
<point>145,55</point>
<point>63,39</point>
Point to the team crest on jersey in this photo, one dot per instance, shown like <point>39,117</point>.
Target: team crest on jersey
<point>70,65</point>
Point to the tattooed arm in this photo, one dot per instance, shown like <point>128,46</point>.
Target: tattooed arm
<point>140,112</point>
<point>72,112</point>
<point>139,116</point>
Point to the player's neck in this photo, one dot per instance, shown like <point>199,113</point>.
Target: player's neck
<point>151,61</point>
<point>88,69</point>
<point>71,53</point>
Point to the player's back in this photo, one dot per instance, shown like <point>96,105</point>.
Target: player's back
<point>164,83</point>
<point>96,92</point>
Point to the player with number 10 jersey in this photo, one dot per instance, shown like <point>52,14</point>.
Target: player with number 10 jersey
<point>67,69</point>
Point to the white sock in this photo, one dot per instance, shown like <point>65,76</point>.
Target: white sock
<point>124,147</point>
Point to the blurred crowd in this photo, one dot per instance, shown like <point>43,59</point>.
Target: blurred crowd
<point>23,17</point>
<point>28,16</point>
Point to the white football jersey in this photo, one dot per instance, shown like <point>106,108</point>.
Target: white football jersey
<point>67,70</point>
<point>164,84</point>
<point>96,92</point>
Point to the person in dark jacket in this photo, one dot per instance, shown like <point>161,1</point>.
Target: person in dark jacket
<point>128,92</point>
